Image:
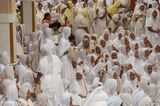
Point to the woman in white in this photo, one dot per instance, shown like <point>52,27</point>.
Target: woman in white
<point>139,18</point>
<point>62,52</point>
<point>153,27</point>
<point>100,22</point>
<point>82,25</point>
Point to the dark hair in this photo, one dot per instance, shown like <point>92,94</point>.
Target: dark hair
<point>40,4</point>
<point>46,15</point>
<point>150,6</point>
<point>72,37</point>
<point>55,24</point>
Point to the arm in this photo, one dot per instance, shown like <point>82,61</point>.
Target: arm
<point>151,30</point>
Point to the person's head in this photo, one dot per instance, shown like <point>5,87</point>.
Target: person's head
<point>136,46</point>
<point>55,26</point>
<point>40,6</point>
<point>69,4</point>
<point>149,69</point>
<point>94,37</point>
<point>126,41</point>
<point>142,7</point>
<point>72,39</point>
<point>119,36</point>
<point>136,54</point>
<point>157,49</point>
<point>154,14</point>
<point>74,64</point>
<point>45,50</point>
<point>115,76</point>
<point>128,48</point>
<point>86,43</point>
<point>147,52</point>
<point>78,76</point>
<point>132,75</point>
<point>114,55</point>
<point>132,36</point>
<point>86,36</point>
<point>106,37</point>
<point>98,50</point>
<point>47,16</point>
<point>103,43</point>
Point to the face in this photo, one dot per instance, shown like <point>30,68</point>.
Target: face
<point>93,38</point>
<point>120,36</point>
<point>132,36</point>
<point>110,29</point>
<point>136,54</point>
<point>157,49</point>
<point>86,44</point>
<point>106,57</point>
<point>114,55</point>
<point>142,8</point>
<point>40,6</point>
<point>136,46</point>
<point>78,76</point>
<point>86,36</point>
<point>106,36</point>
<point>115,75</point>
<point>74,64</point>
<point>126,41</point>
<point>98,50</point>
<point>154,14</point>
<point>149,69</point>
<point>128,49</point>
<point>145,41</point>
<point>147,53</point>
<point>103,43</point>
<point>132,76</point>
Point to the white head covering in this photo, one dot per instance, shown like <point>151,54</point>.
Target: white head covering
<point>11,92</point>
<point>146,101</point>
<point>42,99</point>
<point>45,50</point>
<point>23,92</point>
<point>114,101</point>
<point>110,86</point>
<point>115,17</point>
<point>66,32</point>
<point>29,78</point>
<point>47,33</point>
<point>4,58</point>
<point>152,91</point>
<point>8,72</point>
<point>65,99</point>
<point>44,26</point>
<point>126,98</point>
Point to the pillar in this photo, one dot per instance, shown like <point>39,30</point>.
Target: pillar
<point>28,14</point>
<point>8,28</point>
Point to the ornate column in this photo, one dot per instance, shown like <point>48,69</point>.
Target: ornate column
<point>28,14</point>
<point>8,28</point>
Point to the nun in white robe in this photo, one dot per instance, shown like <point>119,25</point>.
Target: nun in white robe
<point>100,23</point>
<point>63,47</point>
<point>97,95</point>
<point>153,24</point>
<point>110,87</point>
<point>82,23</point>
<point>4,58</point>
<point>91,16</point>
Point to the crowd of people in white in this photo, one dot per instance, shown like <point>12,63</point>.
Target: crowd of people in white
<point>86,53</point>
